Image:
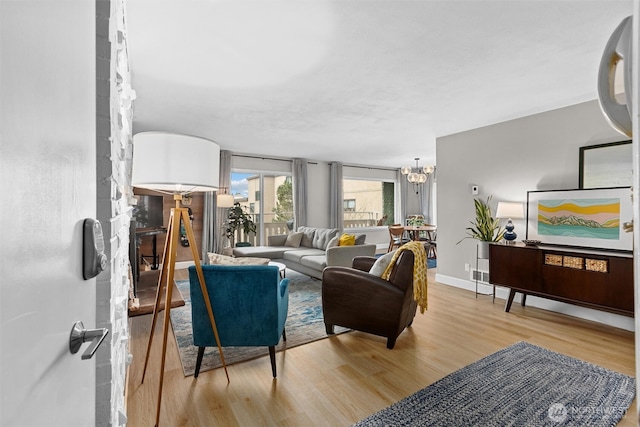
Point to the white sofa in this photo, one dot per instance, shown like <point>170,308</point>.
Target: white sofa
<point>309,250</point>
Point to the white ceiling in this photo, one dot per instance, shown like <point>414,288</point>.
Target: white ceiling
<point>366,82</point>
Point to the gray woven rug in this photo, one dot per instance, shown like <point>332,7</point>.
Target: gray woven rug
<point>304,325</point>
<point>521,385</point>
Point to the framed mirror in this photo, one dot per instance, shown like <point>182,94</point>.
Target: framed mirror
<point>606,165</point>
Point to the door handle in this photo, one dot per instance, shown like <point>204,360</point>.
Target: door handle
<point>80,335</point>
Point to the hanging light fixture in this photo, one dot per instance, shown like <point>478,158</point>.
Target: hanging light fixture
<point>417,175</point>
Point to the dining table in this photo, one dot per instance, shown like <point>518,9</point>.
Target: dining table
<point>415,231</point>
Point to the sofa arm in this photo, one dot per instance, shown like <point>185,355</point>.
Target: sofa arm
<point>277,240</point>
<point>343,255</point>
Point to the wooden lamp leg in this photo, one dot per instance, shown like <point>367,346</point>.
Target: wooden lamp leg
<point>167,277</point>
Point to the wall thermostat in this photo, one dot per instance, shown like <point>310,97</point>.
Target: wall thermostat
<point>93,258</point>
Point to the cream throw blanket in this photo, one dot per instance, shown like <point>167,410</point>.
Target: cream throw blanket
<point>419,271</point>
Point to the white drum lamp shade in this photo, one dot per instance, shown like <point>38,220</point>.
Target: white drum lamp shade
<point>510,210</point>
<point>175,163</point>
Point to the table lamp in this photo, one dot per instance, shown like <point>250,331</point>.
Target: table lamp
<point>510,210</point>
<point>175,164</point>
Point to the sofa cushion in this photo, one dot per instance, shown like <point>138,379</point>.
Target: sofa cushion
<point>323,236</point>
<point>381,264</point>
<point>317,262</point>
<point>333,242</point>
<point>296,255</point>
<point>228,260</point>
<point>307,236</point>
<point>361,239</point>
<point>347,240</point>
<point>272,252</point>
<point>293,239</point>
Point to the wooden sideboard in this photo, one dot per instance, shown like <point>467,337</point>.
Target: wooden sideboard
<point>590,278</point>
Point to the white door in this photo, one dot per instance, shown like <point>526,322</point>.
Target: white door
<point>47,188</point>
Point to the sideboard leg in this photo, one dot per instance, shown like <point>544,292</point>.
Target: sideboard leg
<point>507,306</point>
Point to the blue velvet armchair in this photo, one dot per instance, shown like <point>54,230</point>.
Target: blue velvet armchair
<point>249,302</point>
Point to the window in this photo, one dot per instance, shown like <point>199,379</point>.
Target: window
<point>368,203</point>
<point>268,197</point>
<point>349,205</point>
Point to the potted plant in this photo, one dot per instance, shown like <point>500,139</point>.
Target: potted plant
<point>486,228</point>
<point>238,219</point>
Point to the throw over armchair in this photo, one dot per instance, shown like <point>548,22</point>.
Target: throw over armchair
<point>355,299</point>
<point>249,303</point>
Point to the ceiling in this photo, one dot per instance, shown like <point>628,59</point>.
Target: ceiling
<point>364,82</point>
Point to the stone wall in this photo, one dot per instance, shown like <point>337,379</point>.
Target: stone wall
<point>114,98</point>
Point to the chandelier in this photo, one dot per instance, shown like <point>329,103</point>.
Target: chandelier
<point>417,175</point>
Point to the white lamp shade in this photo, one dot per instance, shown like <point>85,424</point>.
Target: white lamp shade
<point>512,210</point>
<point>176,163</point>
<point>225,200</point>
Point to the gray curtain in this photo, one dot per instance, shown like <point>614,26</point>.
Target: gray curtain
<point>213,217</point>
<point>336,217</point>
<point>404,189</point>
<point>299,192</point>
<point>428,198</point>
<point>208,221</point>
<point>225,186</point>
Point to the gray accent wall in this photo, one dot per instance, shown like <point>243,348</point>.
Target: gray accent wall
<point>537,152</point>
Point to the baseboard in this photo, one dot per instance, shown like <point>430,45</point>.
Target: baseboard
<point>611,319</point>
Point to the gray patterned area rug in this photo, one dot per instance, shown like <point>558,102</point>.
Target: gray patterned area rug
<point>304,325</point>
<point>521,385</point>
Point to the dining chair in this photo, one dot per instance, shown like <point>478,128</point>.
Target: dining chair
<point>396,236</point>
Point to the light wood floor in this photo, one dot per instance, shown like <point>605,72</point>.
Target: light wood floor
<point>342,379</point>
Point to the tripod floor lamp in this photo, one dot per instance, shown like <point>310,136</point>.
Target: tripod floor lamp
<point>159,164</point>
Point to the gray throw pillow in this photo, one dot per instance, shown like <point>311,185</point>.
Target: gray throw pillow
<point>307,236</point>
<point>360,239</point>
<point>323,236</point>
<point>381,264</point>
<point>293,239</point>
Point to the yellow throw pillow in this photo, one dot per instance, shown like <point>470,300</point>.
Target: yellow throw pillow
<point>347,240</point>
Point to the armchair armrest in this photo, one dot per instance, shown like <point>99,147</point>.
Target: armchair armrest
<point>276,240</point>
<point>343,255</point>
<point>363,263</point>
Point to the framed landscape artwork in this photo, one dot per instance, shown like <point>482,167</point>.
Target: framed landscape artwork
<point>589,218</point>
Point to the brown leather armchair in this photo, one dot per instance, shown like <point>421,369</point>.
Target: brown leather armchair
<point>355,299</point>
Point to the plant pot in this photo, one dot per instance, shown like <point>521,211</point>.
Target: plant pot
<point>483,250</point>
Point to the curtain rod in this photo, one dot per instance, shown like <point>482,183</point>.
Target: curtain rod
<point>370,167</point>
<point>249,156</point>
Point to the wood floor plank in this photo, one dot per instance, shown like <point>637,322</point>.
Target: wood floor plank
<point>344,378</point>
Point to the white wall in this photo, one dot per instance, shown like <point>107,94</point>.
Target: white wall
<point>538,152</point>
